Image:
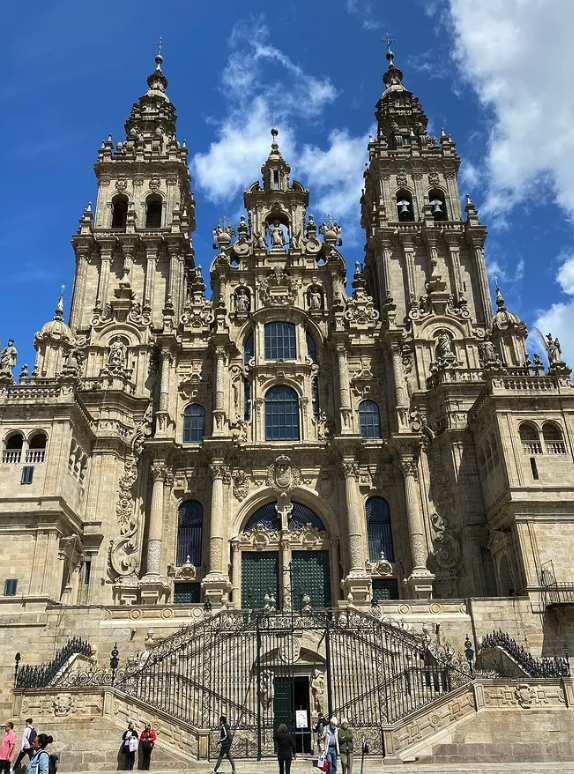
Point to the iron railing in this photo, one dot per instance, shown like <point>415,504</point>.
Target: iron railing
<point>555,666</point>
<point>42,676</point>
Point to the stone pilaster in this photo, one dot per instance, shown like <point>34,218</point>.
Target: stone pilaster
<point>216,583</point>
<point>219,412</point>
<point>420,580</point>
<point>344,390</point>
<point>357,582</point>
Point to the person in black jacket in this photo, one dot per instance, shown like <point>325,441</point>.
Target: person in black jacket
<point>319,729</point>
<point>285,749</point>
<point>225,739</point>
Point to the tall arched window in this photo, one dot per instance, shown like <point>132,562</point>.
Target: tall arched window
<point>311,347</point>
<point>530,438</point>
<point>189,533</point>
<point>119,211</point>
<point>37,448</point>
<point>553,438</point>
<point>379,531</point>
<point>280,341</point>
<point>13,449</point>
<point>438,205</point>
<point>248,350</point>
<point>405,206</point>
<point>315,398</point>
<point>153,212</point>
<point>369,419</point>
<point>193,423</point>
<point>281,414</point>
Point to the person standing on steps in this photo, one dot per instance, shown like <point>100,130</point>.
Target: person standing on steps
<point>225,740</point>
<point>286,751</point>
<point>40,763</point>
<point>331,744</point>
<point>346,747</point>
<point>28,737</point>
<point>130,745</point>
<point>147,739</point>
<point>7,749</point>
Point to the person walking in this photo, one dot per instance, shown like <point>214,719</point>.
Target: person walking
<point>130,745</point>
<point>331,744</point>
<point>7,748</point>
<point>286,751</point>
<point>28,736</point>
<point>319,730</point>
<point>345,736</point>
<point>40,763</point>
<point>225,739</point>
<point>147,739</point>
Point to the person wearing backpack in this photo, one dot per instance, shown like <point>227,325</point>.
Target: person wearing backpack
<point>42,762</point>
<point>225,740</point>
<point>28,736</point>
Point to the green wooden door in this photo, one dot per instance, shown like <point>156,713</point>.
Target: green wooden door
<point>259,576</point>
<point>283,702</point>
<point>385,588</point>
<point>311,576</point>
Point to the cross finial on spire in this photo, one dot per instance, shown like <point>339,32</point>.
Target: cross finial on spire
<point>160,45</point>
<point>387,39</point>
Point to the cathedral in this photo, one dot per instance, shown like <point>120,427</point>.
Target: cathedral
<point>308,437</point>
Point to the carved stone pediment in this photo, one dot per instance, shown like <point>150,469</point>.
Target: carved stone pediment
<point>259,538</point>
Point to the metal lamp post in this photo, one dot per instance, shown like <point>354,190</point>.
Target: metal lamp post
<point>114,661</point>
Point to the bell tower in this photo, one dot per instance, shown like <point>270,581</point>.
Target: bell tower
<point>136,245</point>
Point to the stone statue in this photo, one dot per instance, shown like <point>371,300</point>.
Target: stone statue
<point>318,690</point>
<point>315,298</point>
<point>242,300</point>
<point>487,352</point>
<point>8,358</point>
<point>553,349</point>
<point>260,242</point>
<point>117,354</point>
<point>267,688</point>
<point>277,235</point>
<point>444,352</point>
<point>295,240</point>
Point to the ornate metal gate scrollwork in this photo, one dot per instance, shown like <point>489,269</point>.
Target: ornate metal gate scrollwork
<point>245,665</point>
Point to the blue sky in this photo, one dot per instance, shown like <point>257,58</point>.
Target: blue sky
<point>496,78</point>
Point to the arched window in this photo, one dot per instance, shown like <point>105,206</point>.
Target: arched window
<point>530,439</point>
<point>301,516</point>
<point>311,347</point>
<point>315,398</point>
<point>37,448</point>
<point>379,531</point>
<point>246,400</point>
<point>193,423</point>
<point>153,212</point>
<point>281,414</point>
<point>369,419</point>
<point>119,211</point>
<point>189,533</point>
<point>13,449</point>
<point>405,206</point>
<point>438,205</point>
<point>248,351</point>
<point>280,341</point>
<point>553,438</point>
<point>266,516</point>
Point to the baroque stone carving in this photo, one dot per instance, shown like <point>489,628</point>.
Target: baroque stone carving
<point>318,690</point>
<point>278,288</point>
<point>240,484</point>
<point>8,359</point>
<point>187,571</point>
<point>267,688</point>
<point>447,550</point>
<point>62,705</point>
<point>281,476</point>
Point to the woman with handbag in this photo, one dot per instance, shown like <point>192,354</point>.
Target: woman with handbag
<point>130,745</point>
<point>147,739</point>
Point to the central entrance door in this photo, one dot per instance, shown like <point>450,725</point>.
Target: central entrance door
<point>291,706</point>
<point>311,576</point>
<point>260,576</point>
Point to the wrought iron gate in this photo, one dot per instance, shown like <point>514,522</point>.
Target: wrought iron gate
<point>261,668</point>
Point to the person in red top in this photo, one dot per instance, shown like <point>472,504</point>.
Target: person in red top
<point>7,749</point>
<point>147,738</point>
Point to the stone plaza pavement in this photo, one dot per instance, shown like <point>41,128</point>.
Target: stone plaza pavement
<point>302,766</point>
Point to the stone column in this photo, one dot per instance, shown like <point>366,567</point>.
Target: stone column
<point>217,470</point>
<point>453,244</point>
<point>79,288</point>
<point>400,391</point>
<point>385,268</point>
<point>151,248</point>
<point>235,573</point>
<point>486,302</point>
<point>409,250</point>
<point>344,390</point>
<point>219,413</point>
<point>104,279</point>
<point>420,580</point>
<point>163,411</point>
<point>357,582</point>
<point>158,472</point>
<point>172,284</point>
<point>216,584</point>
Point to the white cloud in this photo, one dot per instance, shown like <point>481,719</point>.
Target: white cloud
<point>365,11</point>
<point>559,319</point>
<point>255,76</point>
<point>518,56</point>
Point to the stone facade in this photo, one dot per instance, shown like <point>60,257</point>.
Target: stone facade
<point>401,417</point>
